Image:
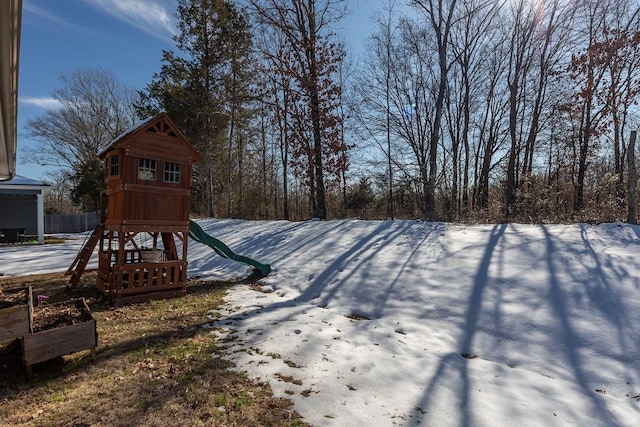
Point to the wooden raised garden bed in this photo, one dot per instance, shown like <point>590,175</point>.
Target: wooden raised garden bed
<point>59,329</point>
<point>16,310</point>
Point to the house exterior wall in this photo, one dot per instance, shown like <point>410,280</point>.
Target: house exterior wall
<point>23,212</point>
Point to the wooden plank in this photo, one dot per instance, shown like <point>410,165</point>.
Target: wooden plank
<point>82,259</point>
<point>101,284</point>
<point>114,187</point>
<point>155,206</point>
<point>166,154</point>
<point>129,229</point>
<point>46,345</point>
<point>150,266</point>
<point>152,296</point>
<point>158,189</point>
<point>133,225</point>
<point>15,322</point>
<point>150,289</point>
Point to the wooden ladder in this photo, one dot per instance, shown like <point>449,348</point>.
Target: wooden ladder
<point>82,259</point>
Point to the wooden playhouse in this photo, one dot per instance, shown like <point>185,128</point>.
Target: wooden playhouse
<point>142,237</point>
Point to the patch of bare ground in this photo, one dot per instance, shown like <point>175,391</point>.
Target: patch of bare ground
<point>156,364</point>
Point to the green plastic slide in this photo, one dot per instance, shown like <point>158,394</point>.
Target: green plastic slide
<point>198,234</point>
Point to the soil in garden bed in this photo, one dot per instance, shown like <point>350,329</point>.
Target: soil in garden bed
<point>12,297</point>
<point>51,316</point>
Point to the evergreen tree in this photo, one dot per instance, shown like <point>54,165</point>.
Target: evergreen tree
<point>88,183</point>
<point>204,90</point>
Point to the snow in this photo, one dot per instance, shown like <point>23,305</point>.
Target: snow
<point>367,322</point>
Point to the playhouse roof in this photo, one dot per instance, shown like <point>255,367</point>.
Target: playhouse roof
<point>160,124</point>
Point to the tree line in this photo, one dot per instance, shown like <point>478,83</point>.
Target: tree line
<point>458,110</point>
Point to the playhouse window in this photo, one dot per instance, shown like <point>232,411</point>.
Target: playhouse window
<point>171,172</point>
<point>115,164</point>
<point>147,169</point>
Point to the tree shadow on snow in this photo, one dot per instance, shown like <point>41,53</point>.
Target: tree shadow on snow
<point>372,244</point>
<point>453,366</point>
<point>451,381</point>
<point>558,300</point>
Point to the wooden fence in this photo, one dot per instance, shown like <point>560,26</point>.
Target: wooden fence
<point>71,223</point>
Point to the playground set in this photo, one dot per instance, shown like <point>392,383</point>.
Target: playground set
<point>145,211</point>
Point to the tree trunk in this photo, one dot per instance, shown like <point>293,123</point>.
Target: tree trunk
<point>230,163</point>
<point>632,216</point>
<point>209,174</point>
<point>390,209</point>
<point>321,207</point>
<point>583,151</point>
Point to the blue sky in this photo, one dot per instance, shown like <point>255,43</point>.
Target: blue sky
<point>124,36</point>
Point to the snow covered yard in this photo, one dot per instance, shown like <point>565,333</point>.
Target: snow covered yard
<point>417,323</point>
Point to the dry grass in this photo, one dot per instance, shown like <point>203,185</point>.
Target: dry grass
<point>157,364</point>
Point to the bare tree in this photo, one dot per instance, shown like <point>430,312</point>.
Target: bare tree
<point>632,183</point>
<point>618,52</point>
<point>584,107</point>
<point>493,114</point>
<point>471,46</point>
<point>520,61</point>
<point>412,98</point>
<point>376,106</point>
<point>95,107</point>
<point>305,26</point>
<point>277,93</point>
<point>440,16</point>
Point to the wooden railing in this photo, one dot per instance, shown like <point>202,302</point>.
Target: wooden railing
<point>138,277</point>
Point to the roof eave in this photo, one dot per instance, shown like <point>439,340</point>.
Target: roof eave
<point>10,26</point>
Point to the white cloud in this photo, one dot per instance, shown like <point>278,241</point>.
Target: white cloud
<point>42,13</point>
<point>28,7</point>
<point>41,102</point>
<point>151,16</point>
